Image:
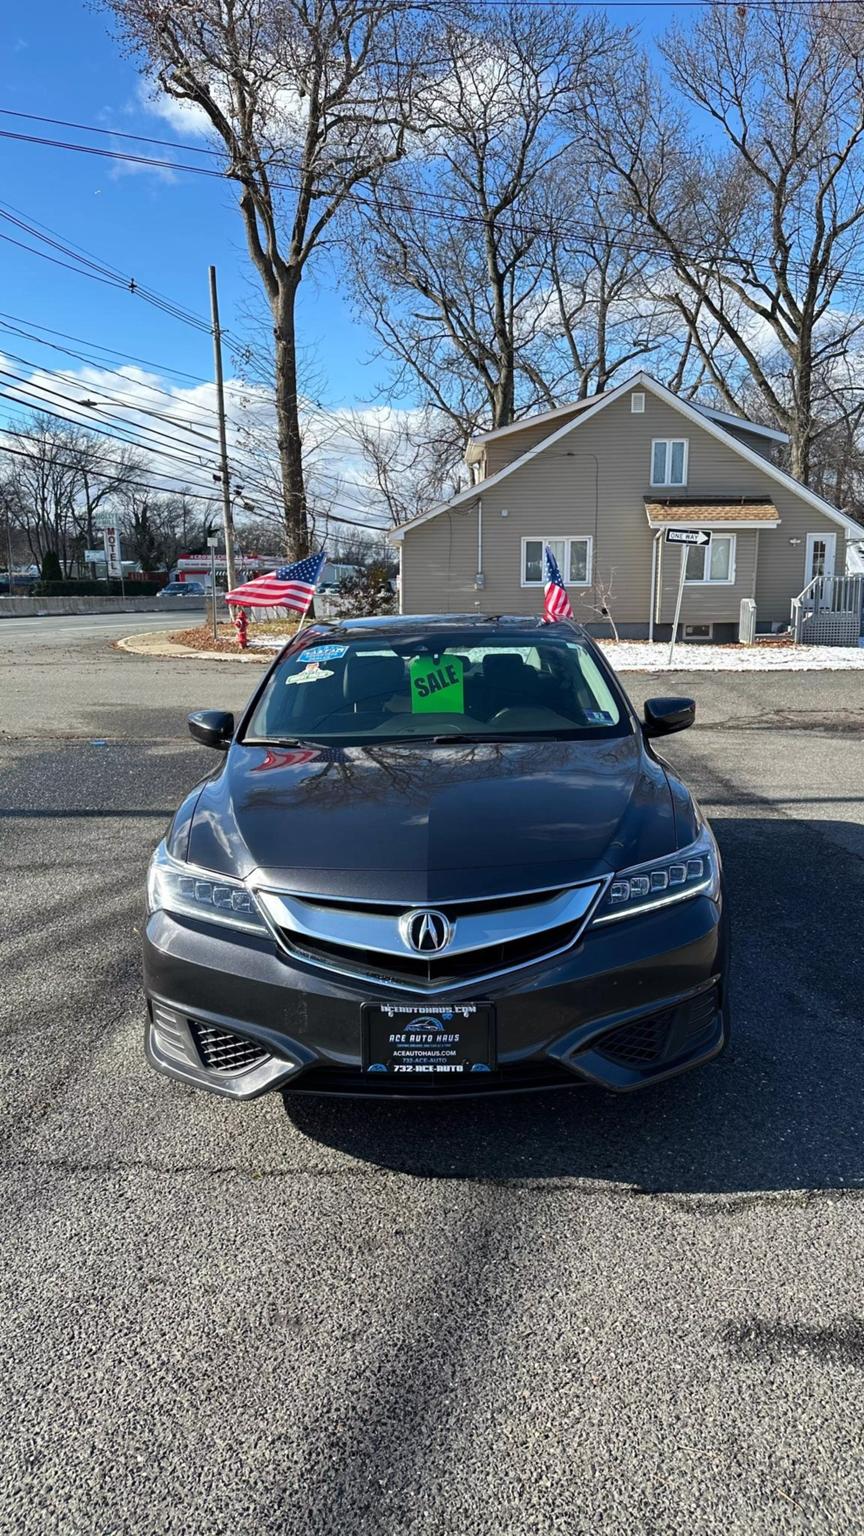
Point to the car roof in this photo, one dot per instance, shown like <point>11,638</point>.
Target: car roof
<point>394,626</point>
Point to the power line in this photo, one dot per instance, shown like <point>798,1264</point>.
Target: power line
<point>163,368</point>
<point>87,266</point>
<point>74,381</point>
<point>271,505</point>
<point>102,272</point>
<point>235,389</point>
<point>83,418</point>
<point>96,363</point>
<point>136,434</point>
<point>96,474</point>
<point>586,233</point>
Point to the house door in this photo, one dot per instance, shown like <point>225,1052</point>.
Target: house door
<point>821,548</point>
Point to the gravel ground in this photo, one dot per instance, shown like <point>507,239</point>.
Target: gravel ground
<point>567,1313</point>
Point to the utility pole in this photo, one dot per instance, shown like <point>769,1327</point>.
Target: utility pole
<point>227,512</point>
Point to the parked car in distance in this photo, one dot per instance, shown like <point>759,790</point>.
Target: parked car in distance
<point>437,856</point>
<point>183,589</point>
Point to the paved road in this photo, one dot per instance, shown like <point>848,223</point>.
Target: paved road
<point>61,631</point>
<point>561,1314</point>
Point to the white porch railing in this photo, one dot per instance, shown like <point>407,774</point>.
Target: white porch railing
<point>828,611</point>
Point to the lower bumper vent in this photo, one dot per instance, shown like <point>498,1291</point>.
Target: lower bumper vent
<point>221,1051</point>
<point>637,1045</point>
<point>647,1041</point>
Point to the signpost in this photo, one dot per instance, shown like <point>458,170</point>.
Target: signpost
<point>211,545</point>
<point>685,537</point>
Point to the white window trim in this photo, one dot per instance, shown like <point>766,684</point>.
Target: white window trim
<point>568,538</point>
<point>667,441</point>
<point>713,581</point>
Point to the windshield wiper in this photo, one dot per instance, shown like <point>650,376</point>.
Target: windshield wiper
<point>474,740</point>
<point>284,741</point>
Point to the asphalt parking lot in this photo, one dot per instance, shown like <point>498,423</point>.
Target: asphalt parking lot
<point>564,1313</point>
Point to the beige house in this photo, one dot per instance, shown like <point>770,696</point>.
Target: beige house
<point>600,481</point>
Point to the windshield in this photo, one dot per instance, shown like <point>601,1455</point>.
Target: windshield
<point>438,688</point>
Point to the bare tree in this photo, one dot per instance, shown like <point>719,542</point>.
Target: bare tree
<point>43,488</point>
<point>411,459</point>
<point>607,308</point>
<point>57,481</point>
<point>450,264</point>
<point>764,235</point>
<point>310,99</point>
<point>103,470</point>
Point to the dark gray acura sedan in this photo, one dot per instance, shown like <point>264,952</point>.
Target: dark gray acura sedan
<point>439,856</point>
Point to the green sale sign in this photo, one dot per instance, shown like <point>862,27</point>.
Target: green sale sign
<point>437,687</point>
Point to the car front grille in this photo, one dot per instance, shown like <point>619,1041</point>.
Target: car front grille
<point>489,937</point>
<point>222,1052</point>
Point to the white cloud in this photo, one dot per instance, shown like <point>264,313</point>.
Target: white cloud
<point>182,116</point>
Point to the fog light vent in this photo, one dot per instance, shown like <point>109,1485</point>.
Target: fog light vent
<point>221,1051</point>
<point>640,1043</point>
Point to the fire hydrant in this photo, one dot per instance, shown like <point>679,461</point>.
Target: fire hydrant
<point>241,624</point>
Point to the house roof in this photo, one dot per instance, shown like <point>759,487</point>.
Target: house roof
<point>691,413</point>
<point>727,420</point>
<point>707,513</point>
<point>474,452</point>
<point>475,448</point>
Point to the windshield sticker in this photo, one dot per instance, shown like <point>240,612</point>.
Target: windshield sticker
<point>437,687</point>
<point>312,673</point>
<point>598,717</point>
<point>324,653</point>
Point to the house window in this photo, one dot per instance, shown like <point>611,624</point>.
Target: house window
<point>669,461</point>
<point>698,631</point>
<point>573,556</point>
<point>716,564</point>
<point>637,403</point>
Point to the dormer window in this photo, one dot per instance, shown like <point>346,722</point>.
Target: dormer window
<point>669,461</point>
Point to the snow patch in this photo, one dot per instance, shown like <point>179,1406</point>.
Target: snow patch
<point>639,656</point>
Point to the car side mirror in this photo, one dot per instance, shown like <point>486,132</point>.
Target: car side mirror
<point>212,727</point>
<point>663,716</point>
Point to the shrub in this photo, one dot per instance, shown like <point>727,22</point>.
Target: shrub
<point>366,594</point>
<point>94,588</point>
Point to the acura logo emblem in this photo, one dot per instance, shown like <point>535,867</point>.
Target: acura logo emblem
<point>427,933</point>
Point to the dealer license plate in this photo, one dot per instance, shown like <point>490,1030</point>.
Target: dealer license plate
<point>415,1038</point>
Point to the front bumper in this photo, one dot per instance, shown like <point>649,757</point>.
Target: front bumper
<point>632,1003</point>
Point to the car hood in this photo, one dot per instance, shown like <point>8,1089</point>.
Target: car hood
<point>433,823</point>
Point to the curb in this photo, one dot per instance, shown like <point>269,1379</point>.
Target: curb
<point>155,644</point>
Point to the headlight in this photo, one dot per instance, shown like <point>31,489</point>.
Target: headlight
<point>176,887</point>
<point>692,871</point>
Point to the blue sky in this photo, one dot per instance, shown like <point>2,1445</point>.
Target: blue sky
<point>59,59</point>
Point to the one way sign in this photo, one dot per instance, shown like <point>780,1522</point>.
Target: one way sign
<point>688,536</point>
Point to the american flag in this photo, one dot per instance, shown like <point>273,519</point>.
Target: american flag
<point>557,604</point>
<point>292,586</point>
